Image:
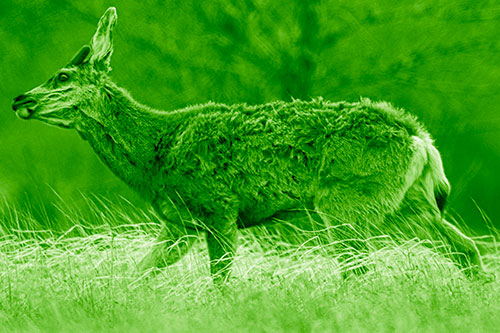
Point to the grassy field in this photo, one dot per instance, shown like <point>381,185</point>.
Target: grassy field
<point>84,280</point>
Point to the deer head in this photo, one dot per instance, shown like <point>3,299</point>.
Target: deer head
<point>65,98</point>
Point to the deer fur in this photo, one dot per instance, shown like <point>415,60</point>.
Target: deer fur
<point>214,168</point>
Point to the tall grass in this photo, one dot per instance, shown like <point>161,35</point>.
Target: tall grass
<point>84,279</point>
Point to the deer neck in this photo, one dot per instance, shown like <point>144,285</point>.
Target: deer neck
<point>125,136</point>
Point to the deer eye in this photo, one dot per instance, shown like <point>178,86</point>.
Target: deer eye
<point>63,77</point>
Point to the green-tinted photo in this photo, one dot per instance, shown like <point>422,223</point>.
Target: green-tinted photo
<point>262,166</point>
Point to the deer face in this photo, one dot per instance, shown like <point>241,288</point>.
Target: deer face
<point>58,101</point>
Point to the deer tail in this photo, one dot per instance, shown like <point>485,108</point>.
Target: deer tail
<point>441,185</point>
<point>427,171</point>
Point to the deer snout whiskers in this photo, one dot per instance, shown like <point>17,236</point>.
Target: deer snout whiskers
<point>24,106</point>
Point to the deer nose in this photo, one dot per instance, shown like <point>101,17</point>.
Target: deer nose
<point>23,100</point>
<point>24,105</point>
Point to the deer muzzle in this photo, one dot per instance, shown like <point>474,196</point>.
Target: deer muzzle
<point>24,106</point>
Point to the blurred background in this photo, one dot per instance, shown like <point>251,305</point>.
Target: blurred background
<point>437,59</point>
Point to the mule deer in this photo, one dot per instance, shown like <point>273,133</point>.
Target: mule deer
<point>214,168</point>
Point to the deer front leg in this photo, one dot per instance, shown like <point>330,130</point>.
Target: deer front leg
<point>172,244</point>
<point>221,242</point>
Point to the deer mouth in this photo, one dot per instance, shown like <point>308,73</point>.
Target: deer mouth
<point>24,107</point>
<point>24,113</point>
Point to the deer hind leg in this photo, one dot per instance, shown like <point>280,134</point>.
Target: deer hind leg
<point>172,243</point>
<point>466,251</point>
<point>420,215</point>
<point>428,225</point>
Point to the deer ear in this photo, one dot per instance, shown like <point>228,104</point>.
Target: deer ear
<point>102,42</point>
<point>80,57</point>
